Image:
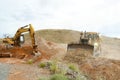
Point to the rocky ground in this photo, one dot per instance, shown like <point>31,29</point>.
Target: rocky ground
<point>16,69</point>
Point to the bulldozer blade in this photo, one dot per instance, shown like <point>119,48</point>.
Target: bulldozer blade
<point>81,48</point>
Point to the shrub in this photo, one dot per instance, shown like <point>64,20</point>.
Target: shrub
<point>54,68</point>
<point>73,67</point>
<point>58,77</point>
<point>30,61</point>
<point>49,63</point>
<point>42,65</point>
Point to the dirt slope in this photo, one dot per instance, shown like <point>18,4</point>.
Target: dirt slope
<point>58,36</point>
<point>110,48</point>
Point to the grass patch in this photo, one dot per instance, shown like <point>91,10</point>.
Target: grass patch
<point>54,68</point>
<point>55,77</point>
<point>73,67</point>
<point>42,65</point>
<point>58,77</point>
<point>61,72</point>
<point>30,61</point>
<point>45,65</point>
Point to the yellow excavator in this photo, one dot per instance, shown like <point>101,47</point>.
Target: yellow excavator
<point>18,39</point>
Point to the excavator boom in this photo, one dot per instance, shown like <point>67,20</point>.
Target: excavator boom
<point>16,40</point>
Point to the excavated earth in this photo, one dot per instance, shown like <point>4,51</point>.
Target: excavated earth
<point>95,68</point>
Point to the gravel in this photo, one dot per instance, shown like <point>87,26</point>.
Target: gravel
<point>4,71</point>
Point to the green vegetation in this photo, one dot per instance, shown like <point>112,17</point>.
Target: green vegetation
<point>73,67</point>
<point>30,61</point>
<point>55,77</point>
<point>45,65</point>
<point>42,65</point>
<point>61,72</point>
<point>54,67</point>
<point>58,77</point>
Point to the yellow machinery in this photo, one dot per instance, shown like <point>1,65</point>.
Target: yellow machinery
<point>89,42</point>
<point>19,37</point>
<point>92,39</point>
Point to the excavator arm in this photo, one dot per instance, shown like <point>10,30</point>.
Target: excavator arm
<point>16,41</point>
<point>28,28</point>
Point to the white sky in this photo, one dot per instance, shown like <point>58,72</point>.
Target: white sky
<point>90,15</point>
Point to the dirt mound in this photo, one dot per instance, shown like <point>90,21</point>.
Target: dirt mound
<point>101,69</point>
<point>17,52</point>
<point>95,68</point>
<point>48,50</point>
<point>78,55</point>
<point>51,49</point>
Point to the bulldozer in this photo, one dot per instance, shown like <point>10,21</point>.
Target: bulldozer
<point>19,39</point>
<point>89,42</point>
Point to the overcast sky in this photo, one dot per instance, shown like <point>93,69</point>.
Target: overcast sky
<point>91,15</point>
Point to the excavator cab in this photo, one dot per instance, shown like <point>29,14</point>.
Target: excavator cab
<point>22,39</point>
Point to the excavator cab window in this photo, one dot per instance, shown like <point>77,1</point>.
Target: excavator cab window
<point>22,39</point>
